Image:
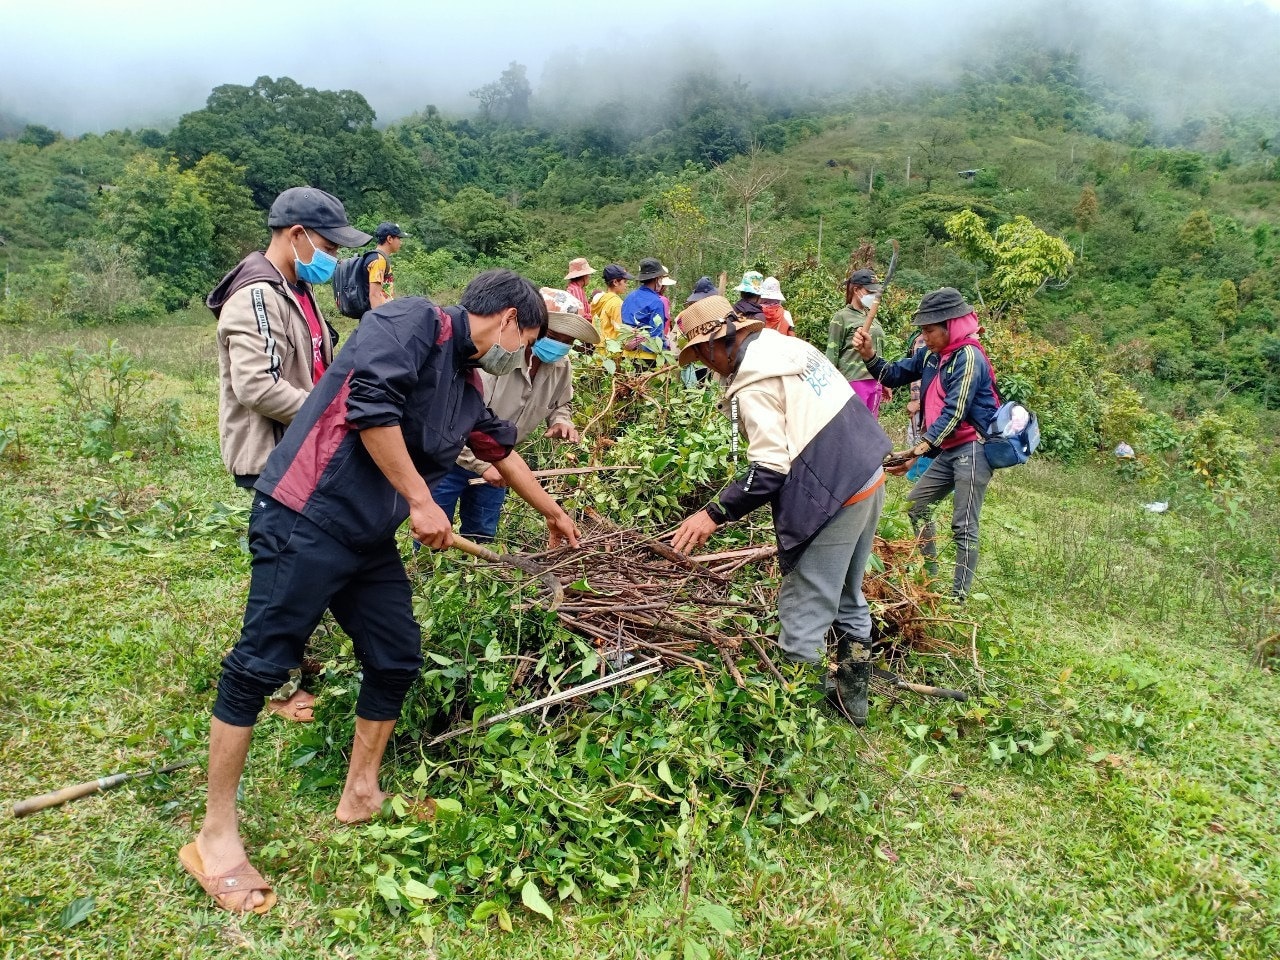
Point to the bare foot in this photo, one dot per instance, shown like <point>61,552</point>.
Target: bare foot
<point>299,708</point>
<point>222,855</point>
<point>359,806</point>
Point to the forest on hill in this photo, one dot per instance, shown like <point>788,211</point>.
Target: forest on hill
<point>1090,766</point>
<point>1171,282</point>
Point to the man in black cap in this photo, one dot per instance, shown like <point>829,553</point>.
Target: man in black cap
<point>274,344</point>
<point>381,282</point>
<point>607,309</point>
<point>957,392</point>
<point>861,290</point>
<point>643,315</point>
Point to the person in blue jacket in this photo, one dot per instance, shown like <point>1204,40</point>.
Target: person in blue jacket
<point>957,394</point>
<point>643,314</point>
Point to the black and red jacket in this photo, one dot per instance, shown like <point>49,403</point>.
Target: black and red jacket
<point>408,363</point>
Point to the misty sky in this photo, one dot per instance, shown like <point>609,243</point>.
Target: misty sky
<point>93,66</point>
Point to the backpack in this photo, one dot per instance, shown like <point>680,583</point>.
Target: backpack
<point>351,285</point>
<point>1012,436</point>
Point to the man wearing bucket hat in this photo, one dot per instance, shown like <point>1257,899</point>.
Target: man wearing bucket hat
<point>750,288</point>
<point>579,270</point>
<point>643,316</point>
<point>776,317</point>
<point>538,391</point>
<point>957,391</point>
<point>816,456</point>
<point>861,290</point>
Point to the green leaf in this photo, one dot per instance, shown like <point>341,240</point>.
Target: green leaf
<point>917,764</point>
<point>388,889</point>
<point>475,866</point>
<point>485,910</point>
<point>664,774</point>
<point>531,897</point>
<point>696,950</point>
<point>75,911</point>
<point>417,890</point>
<point>446,807</point>
<point>719,917</point>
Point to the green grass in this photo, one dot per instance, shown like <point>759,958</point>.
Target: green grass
<point>1147,829</point>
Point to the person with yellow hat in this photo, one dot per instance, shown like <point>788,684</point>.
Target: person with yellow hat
<point>816,456</point>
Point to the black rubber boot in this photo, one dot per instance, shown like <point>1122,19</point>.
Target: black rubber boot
<point>852,678</point>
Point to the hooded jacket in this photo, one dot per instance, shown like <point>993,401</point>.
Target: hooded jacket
<point>957,386</point>
<point>264,360</point>
<point>813,444</point>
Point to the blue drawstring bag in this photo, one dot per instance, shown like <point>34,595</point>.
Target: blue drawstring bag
<point>1012,437</point>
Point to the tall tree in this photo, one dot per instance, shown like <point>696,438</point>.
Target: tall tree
<point>506,100</point>
<point>285,134</point>
<point>1021,258</point>
<point>161,213</point>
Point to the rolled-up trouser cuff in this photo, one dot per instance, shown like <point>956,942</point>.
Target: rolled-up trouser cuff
<point>382,694</point>
<point>245,684</point>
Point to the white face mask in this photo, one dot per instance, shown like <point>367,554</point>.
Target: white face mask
<point>868,300</point>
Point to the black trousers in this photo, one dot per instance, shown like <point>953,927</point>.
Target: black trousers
<point>298,571</point>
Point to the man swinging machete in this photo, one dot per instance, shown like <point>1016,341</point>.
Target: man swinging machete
<point>816,455</point>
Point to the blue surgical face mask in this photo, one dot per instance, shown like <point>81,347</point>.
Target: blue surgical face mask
<point>549,351</point>
<point>321,267</point>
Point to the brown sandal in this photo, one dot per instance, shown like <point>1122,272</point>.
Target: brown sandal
<point>240,881</point>
<point>292,708</point>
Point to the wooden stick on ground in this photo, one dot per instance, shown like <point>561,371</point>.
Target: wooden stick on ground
<point>633,672</point>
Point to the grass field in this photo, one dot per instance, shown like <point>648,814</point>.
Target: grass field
<point>1113,792</point>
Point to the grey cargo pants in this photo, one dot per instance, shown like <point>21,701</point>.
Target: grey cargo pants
<point>964,470</point>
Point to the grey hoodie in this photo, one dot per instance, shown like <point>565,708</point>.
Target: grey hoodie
<point>264,361</point>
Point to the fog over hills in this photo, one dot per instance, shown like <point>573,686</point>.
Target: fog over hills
<point>89,67</point>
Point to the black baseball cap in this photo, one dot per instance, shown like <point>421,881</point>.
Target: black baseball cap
<point>614,272</point>
<point>389,229</point>
<point>864,278</point>
<point>316,210</point>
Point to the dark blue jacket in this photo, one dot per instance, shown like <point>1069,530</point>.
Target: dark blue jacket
<point>643,310</point>
<point>968,392</point>
<point>407,364</point>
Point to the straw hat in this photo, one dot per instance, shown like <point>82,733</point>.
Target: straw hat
<point>706,320</point>
<point>564,315</point>
<point>579,268</point>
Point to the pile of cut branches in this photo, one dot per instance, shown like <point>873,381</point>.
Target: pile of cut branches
<point>634,597</point>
